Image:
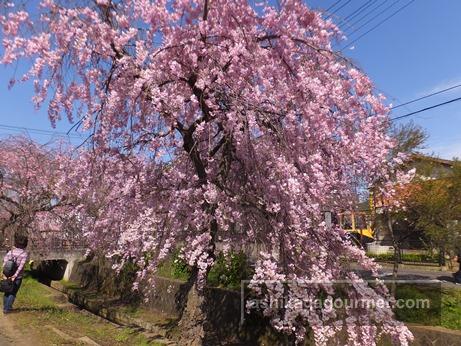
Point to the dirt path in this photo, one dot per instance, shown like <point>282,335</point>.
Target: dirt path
<point>4,340</point>
<point>9,335</point>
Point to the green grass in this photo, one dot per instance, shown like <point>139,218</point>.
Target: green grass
<point>33,296</point>
<point>430,316</point>
<point>69,285</point>
<point>227,271</point>
<point>451,309</point>
<point>174,267</point>
<point>38,308</point>
<point>444,310</point>
<point>415,258</point>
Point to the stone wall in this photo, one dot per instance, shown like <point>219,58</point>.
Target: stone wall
<point>168,297</point>
<point>223,309</point>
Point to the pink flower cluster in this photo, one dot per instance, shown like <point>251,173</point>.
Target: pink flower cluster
<point>31,199</point>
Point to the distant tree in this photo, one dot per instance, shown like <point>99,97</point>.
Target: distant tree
<point>29,199</point>
<point>408,139</point>
<point>433,206</point>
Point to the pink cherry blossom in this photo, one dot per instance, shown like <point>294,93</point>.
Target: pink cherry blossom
<point>31,199</point>
<point>215,122</point>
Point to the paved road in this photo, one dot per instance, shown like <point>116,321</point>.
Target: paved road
<point>446,277</point>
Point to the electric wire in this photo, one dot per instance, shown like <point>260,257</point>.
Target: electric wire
<point>37,131</point>
<point>338,9</point>
<point>329,8</point>
<point>373,18</point>
<point>426,96</point>
<point>365,16</point>
<point>379,24</point>
<point>426,109</point>
<point>357,12</point>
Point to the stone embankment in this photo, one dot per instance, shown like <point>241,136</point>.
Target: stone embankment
<point>97,289</point>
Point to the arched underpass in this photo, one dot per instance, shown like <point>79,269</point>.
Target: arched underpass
<point>49,270</point>
<point>52,265</point>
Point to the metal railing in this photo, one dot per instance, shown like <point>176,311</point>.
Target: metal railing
<point>52,245</point>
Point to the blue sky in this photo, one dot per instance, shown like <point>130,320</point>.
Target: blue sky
<point>416,52</point>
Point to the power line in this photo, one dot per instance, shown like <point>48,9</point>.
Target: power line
<point>373,18</point>
<point>339,8</point>
<point>358,11</point>
<point>394,98</point>
<point>426,96</point>
<point>37,131</point>
<point>427,108</point>
<point>367,14</point>
<point>379,24</point>
<point>329,8</point>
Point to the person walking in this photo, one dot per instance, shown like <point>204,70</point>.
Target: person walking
<point>19,256</point>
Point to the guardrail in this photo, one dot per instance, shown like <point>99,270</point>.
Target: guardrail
<point>55,245</point>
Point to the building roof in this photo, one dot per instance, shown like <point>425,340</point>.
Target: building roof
<point>432,159</point>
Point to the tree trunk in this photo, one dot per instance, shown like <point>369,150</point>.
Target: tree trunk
<point>396,246</point>
<point>193,319</point>
<point>194,323</point>
<point>442,255</point>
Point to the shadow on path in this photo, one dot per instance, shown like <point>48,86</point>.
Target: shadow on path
<point>42,309</point>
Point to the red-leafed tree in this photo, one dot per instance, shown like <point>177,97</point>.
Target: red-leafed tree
<point>216,121</point>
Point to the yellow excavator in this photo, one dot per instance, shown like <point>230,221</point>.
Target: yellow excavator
<point>359,223</point>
